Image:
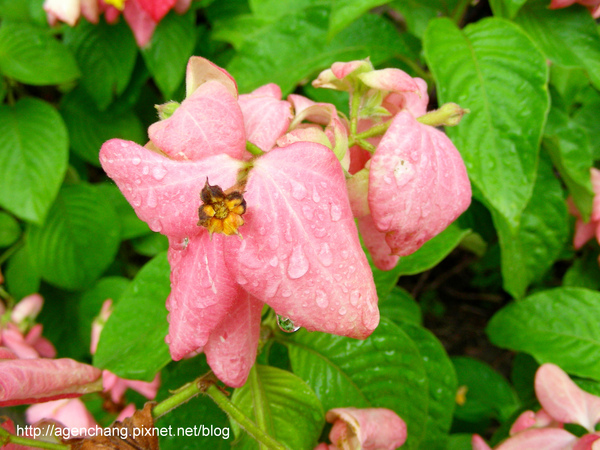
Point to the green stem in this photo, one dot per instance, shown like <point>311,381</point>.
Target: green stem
<point>236,414</point>
<point>181,396</point>
<point>6,437</point>
<point>459,11</point>
<point>259,412</point>
<point>254,149</point>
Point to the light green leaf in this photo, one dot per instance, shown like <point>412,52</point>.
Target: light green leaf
<point>531,251</point>
<point>584,272</point>
<point>561,326</point>
<point>151,244</point>
<point>568,36</point>
<point>9,229</point>
<point>167,53</point>
<point>400,307</point>
<point>587,117</point>
<point>132,344</point>
<point>78,240</point>
<point>507,95</point>
<point>33,157</point>
<point>106,56</point>
<point>131,225</point>
<point>22,277</point>
<point>31,55</point>
<point>506,8</point>
<point>385,370</point>
<point>283,405</point>
<point>89,128</point>
<point>344,12</point>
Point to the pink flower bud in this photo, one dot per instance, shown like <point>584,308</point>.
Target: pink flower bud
<point>27,309</point>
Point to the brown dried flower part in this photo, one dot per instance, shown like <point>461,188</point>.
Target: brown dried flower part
<point>222,211</point>
<point>136,432</point>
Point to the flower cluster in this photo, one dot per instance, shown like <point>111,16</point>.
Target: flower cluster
<point>562,402</point>
<point>142,16</point>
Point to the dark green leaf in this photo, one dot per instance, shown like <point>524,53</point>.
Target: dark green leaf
<point>29,54</point>
<point>506,93</point>
<point>150,244</point>
<point>344,12</point>
<point>22,277</point>
<point>89,128</point>
<point>460,441</point>
<point>560,325</point>
<point>522,376</point>
<point>568,37</point>
<point>167,53</point>
<point>9,229</point>
<point>33,157</point>
<point>488,394</point>
<point>79,239</point>
<point>283,405</point>
<point>584,272</point>
<point>131,225</point>
<point>400,307</point>
<point>587,117</point>
<point>132,344</point>
<point>385,370</point>
<point>106,56</point>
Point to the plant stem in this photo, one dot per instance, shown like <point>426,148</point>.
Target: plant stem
<point>259,412</point>
<point>236,414</point>
<point>459,11</point>
<point>254,149</point>
<point>6,437</point>
<point>182,395</point>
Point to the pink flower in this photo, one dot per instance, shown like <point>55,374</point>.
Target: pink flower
<point>586,231</point>
<point>297,220</point>
<point>68,11</point>
<point>27,309</point>
<point>417,182</point>
<point>117,386</point>
<point>592,5</point>
<point>71,413</point>
<point>562,402</point>
<point>367,429</point>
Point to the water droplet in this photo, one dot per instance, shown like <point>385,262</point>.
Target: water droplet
<point>316,197</point>
<point>182,198</point>
<point>138,181</point>
<point>273,261</point>
<point>355,297</point>
<point>345,254</point>
<point>298,190</point>
<point>241,279</point>
<point>321,299</point>
<point>320,232</point>
<point>286,325</point>
<point>158,172</point>
<point>336,212</point>
<point>323,184</point>
<point>262,231</point>
<point>181,245</point>
<point>273,242</point>
<point>286,293</point>
<point>325,254</point>
<point>342,311</point>
<point>151,200</point>
<point>298,264</point>
<point>136,201</point>
<point>155,225</point>
<point>351,269</point>
<point>146,170</point>
<point>307,211</point>
<point>136,160</point>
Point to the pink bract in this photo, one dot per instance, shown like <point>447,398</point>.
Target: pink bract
<point>71,413</point>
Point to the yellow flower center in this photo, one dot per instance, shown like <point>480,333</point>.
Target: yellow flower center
<point>221,212</point>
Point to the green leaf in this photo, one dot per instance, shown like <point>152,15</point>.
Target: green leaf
<point>344,12</point>
<point>570,82</point>
<point>22,277</point>
<point>238,29</point>
<point>386,370</point>
<point>587,117</point>
<point>131,225</point>
<point>584,272</point>
<point>9,229</point>
<point>561,326</point>
<point>531,251</point>
<point>569,147</point>
<point>417,13</point>
<point>79,239</point>
<point>33,157</point>
<point>488,394</point>
<point>295,47</point>
<point>460,441</point>
<point>167,53</point>
<point>29,54</point>
<point>568,37</point>
<point>106,55</point>
<point>197,415</point>
<point>89,128</point>
<point>522,376</point>
<point>273,10</point>
<point>132,344</point>
<point>150,244</point>
<point>282,405</point>
<point>506,8</point>
<point>442,386</point>
<point>400,307</point>
<point>507,95</point>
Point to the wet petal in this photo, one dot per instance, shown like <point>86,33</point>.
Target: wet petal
<point>418,184</point>
<point>300,252</point>
<point>209,122</point>
<point>40,380</point>
<point>141,23</point>
<point>164,193</point>
<point>375,241</point>
<point>393,80</point>
<point>413,102</point>
<point>202,293</point>
<point>542,438</point>
<point>231,348</point>
<point>71,413</point>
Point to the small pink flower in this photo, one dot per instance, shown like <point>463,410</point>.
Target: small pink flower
<point>27,309</point>
<point>71,413</point>
<point>586,231</point>
<point>117,386</point>
<point>367,429</point>
<point>68,11</point>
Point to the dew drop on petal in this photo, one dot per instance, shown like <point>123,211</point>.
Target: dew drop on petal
<point>298,190</point>
<point>241,279</point>
<point>273,261</point>
<point>336,212</point>
<point>136,160</point>
<point>286,293</point>
<point>342,311</point>
<point>307,211</point>
<point>355,298</point>
<point>320,232</point>
<point>286,324</point>
<point>325,254</point>
<point>136,201</point>
<point>298,264</point>
<point>151,200</point>
<point>145,170</point>
<point>158,172</point>
<point>273,241</point>
<point>315,196</point>
<point>155,225</point>
<point>321,299</point>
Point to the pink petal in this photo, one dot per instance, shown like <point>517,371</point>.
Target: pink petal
<point>148,389</point>
<point>393,80</point>
<point>478,443</point>
<point>202,293</point>
<point>583,233</point>
<point>165,193</point>
<point>266,118</point>
<point>418,184</point>
<point>300,252</point>
<point>358,189</point>
<point>563,399</point>
<point>157,9</point>
<point>375,241</point>
<point>586,442</point>
<point>372,428</point>
<point>117,386</point>
<point>90,10</point>
<point>40,380</point>
<point>555,4</point>
<point>15,341</point>
<point>539,438</point>
<point>524,421</point>
<point>6,353</point>
<point>126,412</point>
<point>71,413</point>
<point>9,426</point>
<point>268,90</point>
<point>207,123</point>
<point>27,309</point>
<point>201,70</point>
<point>64,10</point>
<point>413,102</point>
<point>343,69</point>
<point>141,23</point>
<point>306,134</point>
<point>595,176</point>
<point>41,345</point>
<point>98,324</point>
<point>231,348</point>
